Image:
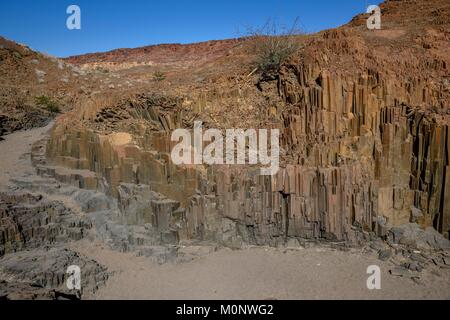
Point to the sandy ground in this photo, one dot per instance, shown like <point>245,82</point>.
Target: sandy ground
<point>15,154</point>
<point>253,273</point>
<point>259,273</point>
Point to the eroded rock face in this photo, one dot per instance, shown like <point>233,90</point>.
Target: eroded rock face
<point>29,221</point>
<point>357,157</point>
<point>389,149</point>
<point>41,274</point>
<point>364,120</point>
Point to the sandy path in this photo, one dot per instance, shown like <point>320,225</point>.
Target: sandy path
<point>14,154</point>
<point>259,273</point>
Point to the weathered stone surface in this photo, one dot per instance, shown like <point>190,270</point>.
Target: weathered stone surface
<point>29,221</point>
<point>315,198</point>
<point>400,272</point>
<point>364,121</point>
<point>413,235</point>
<point>385,254</point>
<point>41,274</point>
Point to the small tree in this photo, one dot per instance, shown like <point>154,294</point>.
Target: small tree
<point>273,44</point>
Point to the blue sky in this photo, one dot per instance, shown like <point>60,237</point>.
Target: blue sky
<point>111,24</point>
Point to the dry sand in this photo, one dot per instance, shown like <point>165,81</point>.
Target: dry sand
<point>259,273</point>
<point>15,154</point>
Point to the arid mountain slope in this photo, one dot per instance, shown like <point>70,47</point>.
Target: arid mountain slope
<point>159,55</point>
<point>34,87</point>
<point>364,152</point>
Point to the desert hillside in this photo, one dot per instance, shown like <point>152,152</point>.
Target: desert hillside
<point>363,117</point>
<point>35,87</point>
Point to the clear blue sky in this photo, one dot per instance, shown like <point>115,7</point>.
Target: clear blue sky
<point>111,24</point>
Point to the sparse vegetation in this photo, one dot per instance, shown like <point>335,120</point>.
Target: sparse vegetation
<point>102,70</point>
<point>17,55</point>
<point>273,44</point>
<point>47,103</point>
<point>158,76</point>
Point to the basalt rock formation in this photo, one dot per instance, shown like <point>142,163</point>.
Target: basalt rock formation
<point>364,119</point>
<point>41,274</point>
<point>28,221</point>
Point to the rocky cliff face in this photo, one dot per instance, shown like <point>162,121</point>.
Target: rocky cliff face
<point>29,221</point>
<point>364,119</point>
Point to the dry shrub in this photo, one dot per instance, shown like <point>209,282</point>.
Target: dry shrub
<point>158,76</point>
<point>272,45</point>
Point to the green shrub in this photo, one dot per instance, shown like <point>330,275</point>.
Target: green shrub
<point>54,108</point>
<point>158,76</point>
<point>47,103</point>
